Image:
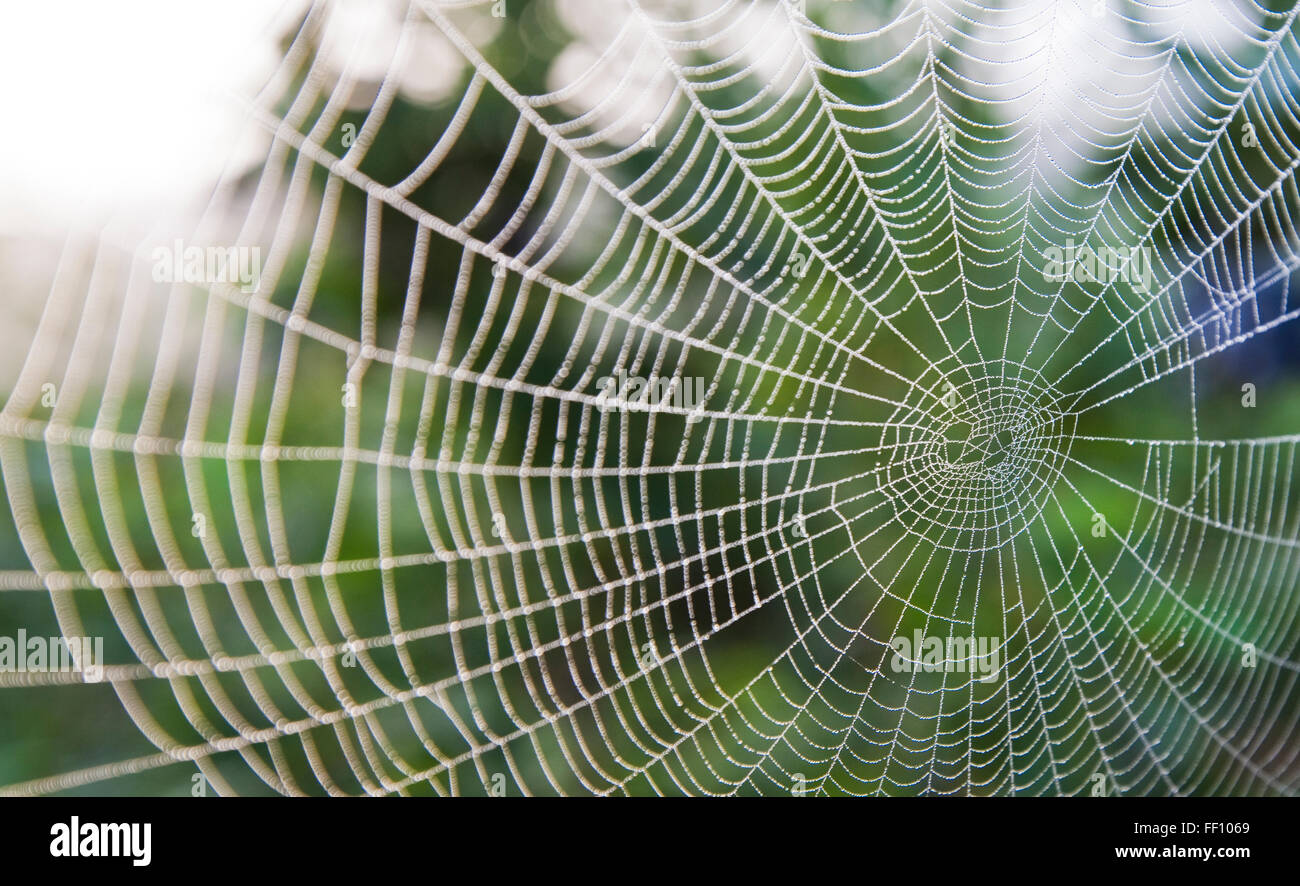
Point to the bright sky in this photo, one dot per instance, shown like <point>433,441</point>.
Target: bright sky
<point>117,108</point>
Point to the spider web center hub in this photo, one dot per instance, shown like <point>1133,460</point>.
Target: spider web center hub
<point>973,454</point>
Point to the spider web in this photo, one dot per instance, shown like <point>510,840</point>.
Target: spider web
<point>366,530</point>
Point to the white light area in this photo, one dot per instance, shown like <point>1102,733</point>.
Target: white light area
<point>1049,70</point>
<point>433,67</point>
<point>364,37</point>
<point>760,38</point>
<point>596,22</point>
<point>852,18</point>
<point>123,109</point>
<point>630,88</point>
<point>1204,26</point>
